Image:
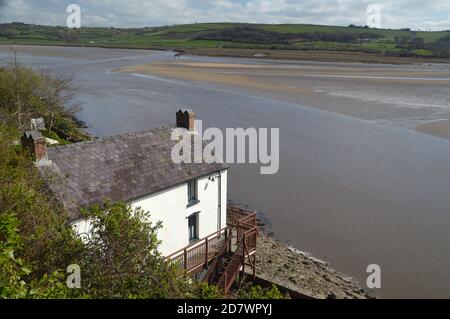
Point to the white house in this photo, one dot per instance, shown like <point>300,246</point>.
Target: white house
<point>189,199</point>
<point>201,210</point>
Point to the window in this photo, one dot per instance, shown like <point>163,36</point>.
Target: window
<point>193,228</point>
<point>192,191</point>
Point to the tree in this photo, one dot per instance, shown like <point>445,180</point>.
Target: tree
<point>121,258</point>
<point>57,94</point>
<point>27,94</point>
<point>19,101</point>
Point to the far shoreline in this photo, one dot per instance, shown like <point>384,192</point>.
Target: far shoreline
<point>262,54</point>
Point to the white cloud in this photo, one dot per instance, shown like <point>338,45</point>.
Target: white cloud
<point>416,14</point>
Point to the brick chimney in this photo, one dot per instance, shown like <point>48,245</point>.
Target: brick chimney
<point>186,119</point>
<point>36,144</point>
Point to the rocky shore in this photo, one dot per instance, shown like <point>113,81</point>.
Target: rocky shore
<point>285,266</point>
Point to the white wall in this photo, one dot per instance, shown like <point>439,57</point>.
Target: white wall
<point>171,208</point>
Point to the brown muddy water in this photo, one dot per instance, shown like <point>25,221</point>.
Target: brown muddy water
<point>357,184</point>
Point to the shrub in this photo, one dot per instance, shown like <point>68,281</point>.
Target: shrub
<point>257,292</point>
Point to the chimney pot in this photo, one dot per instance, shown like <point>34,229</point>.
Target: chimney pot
<point>186,119</point>
<point>38,124</point>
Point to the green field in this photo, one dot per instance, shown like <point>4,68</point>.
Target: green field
<point>221,36</point>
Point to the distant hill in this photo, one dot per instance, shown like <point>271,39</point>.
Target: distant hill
<point>301,37</point>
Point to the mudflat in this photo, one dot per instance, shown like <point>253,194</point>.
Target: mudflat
<point>438,128</point>
<point>409,94</point>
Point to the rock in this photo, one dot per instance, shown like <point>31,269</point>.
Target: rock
<point>308,275</point>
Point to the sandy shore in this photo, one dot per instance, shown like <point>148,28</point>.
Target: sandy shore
<point>398,93</point>
<point>251,74</point>
<point>438,128</point>
<point>226,74</point>
<point>287,267</point>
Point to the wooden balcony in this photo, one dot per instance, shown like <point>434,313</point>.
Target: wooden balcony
<point>225,252</point>
<point>197,256</point>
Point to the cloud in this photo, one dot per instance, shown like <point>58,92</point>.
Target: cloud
<point>2,6</point>
<point>416,14</point>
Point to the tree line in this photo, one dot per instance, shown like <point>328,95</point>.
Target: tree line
<point>408,44</point>
<point>250,34</point>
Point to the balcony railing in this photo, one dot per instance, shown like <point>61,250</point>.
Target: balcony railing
<point>198,255</point>
<point>241,233</point>
<point>236,214</point>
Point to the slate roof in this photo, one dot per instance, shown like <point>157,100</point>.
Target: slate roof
<point>119,168</point>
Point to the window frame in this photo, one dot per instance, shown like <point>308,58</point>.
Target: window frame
<point>195,226</point>
<point>192,192</point>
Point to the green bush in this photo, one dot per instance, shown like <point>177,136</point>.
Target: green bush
<point>14,271</point>
<point>257,292</point>
<point>206,291</point>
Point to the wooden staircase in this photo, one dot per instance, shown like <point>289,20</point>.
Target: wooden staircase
<point>230,261</point>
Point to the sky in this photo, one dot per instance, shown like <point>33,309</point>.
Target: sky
<point>414,14</point>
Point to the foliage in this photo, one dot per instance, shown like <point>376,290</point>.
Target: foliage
<point>54,136</point>
<point>257,292</point>
<point>42,219</point>
<point>252,34</point>
<point>48,244</point>
<point>14,270</point>
<point>11,268</point>
<point>27,94</point>
<point>19,99</point>
<point>206,291</point>
<point>122,260</point>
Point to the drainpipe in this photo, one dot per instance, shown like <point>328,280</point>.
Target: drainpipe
<point>219,206</point>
